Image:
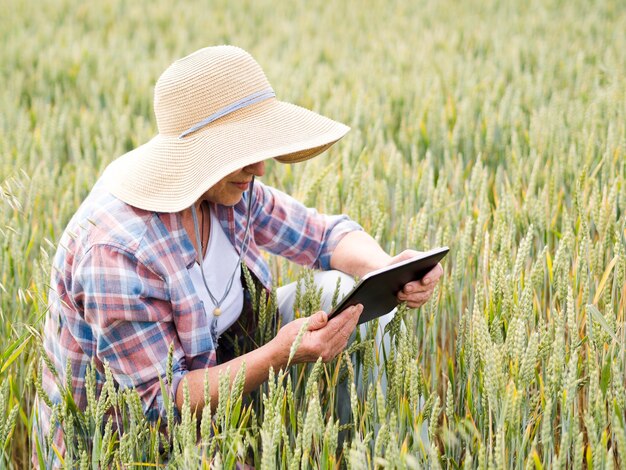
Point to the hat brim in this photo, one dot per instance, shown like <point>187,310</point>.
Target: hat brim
<point>168,174</point>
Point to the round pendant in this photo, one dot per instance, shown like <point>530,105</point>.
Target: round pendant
<point>217,312</point>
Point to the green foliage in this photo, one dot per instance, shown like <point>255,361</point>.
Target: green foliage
<point>496,128</point>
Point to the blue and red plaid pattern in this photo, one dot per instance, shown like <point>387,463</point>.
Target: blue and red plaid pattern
<point>121,291</point>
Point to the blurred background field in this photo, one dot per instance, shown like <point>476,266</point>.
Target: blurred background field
<point>494,127</point>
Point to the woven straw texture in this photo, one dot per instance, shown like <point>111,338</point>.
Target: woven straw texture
<point>167,174</point>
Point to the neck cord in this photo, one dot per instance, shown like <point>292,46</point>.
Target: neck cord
<point>244,248</point>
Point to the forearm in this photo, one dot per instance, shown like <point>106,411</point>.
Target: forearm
<point>357,253</point>
<point>258,363</point>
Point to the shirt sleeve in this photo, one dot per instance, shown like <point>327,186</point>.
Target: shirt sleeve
<point>130,315</point>
<point>286,227</point>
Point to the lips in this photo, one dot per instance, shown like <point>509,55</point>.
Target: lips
<point>243,185</point>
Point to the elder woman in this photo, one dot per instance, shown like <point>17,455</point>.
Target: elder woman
<point>153,256</point>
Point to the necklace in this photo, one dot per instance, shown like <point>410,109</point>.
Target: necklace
<point>217,311</point>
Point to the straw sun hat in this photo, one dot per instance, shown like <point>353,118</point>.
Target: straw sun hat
<point>216,113</point>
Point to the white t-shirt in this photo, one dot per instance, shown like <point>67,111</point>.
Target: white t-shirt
<point>219,263</point>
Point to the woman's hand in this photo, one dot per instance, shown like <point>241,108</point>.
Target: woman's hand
<point>417,293</point>
<point>324,338</point>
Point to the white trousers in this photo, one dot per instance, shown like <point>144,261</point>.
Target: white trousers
<point>327,281</point>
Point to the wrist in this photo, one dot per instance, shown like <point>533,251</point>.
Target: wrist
<point>370,263</point>
<point>278,355</point>
<point>376,262</point>
<point>358,254</point>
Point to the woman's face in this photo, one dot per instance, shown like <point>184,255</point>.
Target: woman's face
<point>228,190</point>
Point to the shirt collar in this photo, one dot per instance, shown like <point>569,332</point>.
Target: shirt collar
<point>174,225</point>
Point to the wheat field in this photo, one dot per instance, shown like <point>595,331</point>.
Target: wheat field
<point>494,127</point>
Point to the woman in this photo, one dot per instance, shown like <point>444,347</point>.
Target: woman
<point>153,256</point>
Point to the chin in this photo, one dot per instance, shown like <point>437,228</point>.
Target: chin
<point>232,201</point>
<point>226,198</point>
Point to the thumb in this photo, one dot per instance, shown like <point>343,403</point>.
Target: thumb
<point>404,255</point>
<point>318,321</point>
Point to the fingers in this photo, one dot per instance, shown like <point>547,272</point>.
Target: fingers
<point>417,293</point>
<point>426,283</point>
<point>348,327</point>
<point>415,287</point>
<point>318,320</point>
<point>415,300</point>
<point>347,319</point>
<point>432,276</point>
<point>404,255</point>
<point>338,331</point>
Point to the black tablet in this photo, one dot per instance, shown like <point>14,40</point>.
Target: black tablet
<point>377,290</point>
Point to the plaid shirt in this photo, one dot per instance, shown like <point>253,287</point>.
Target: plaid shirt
<point>121,291</point>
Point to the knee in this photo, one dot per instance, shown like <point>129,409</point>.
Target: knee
<point>328,281</point>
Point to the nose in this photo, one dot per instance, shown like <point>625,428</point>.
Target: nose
<point>256,169</point>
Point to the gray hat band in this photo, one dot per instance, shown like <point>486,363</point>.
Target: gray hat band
<point>255,97</point>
